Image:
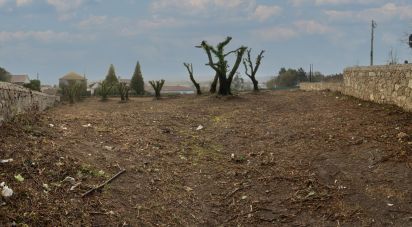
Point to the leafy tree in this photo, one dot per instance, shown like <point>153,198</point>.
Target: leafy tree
<point>111,77</point>
<point>302,76</point>
<point>271,84</point>
<point>247,62</point>
<point>288,78</point>
<point>4,75</point>
<point>157,86</point>
<point>137,82</point>
<point>317,77</point>
<point>33,85</point>
<point>189,68</point>
<point>221,67</point>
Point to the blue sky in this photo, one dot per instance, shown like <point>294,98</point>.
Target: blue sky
<point>53,37</point>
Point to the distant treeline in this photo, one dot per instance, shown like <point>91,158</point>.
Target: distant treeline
<point>292,78</point>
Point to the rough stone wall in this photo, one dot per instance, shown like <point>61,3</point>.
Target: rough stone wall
<point>390,84</point>
<point>320,86</point>
<point>15,99</point>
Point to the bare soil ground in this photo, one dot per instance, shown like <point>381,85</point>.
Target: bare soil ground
<point>287,158</point>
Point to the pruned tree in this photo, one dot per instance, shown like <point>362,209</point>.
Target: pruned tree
<point>157,86</point>
<point>250,69</point>
<point>137,82</point>
<point>189,68</point>
<point>221,67</point>
<point>124,91</point>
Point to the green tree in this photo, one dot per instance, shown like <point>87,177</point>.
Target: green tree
<point>111,77</point>
<point>4,75</point>
<point>33,85</point>
<point>137,82</point>
<point>302,76</point>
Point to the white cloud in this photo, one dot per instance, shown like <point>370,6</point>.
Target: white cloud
<point>231,9</point>
<point>385,12</point>
<point>92,21</point>
<point>20,3</point>
<point>65,8</point>
<point>264,12</point>
<point>3,2</point>
<point>43,36</point>
<point>333,2</point>
<point>298,28</point>
<point>276,33</point>
<point>313,27</point>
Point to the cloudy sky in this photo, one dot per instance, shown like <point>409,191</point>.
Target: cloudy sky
<point>53,37</point>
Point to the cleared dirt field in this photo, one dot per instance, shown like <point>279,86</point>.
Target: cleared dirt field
<point>287,158</point>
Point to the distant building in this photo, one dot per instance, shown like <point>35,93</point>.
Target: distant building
<point>72,78</point>
<point>20,79</point>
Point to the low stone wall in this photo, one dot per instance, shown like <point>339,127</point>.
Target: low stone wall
<point>321,86</point>
<point>16,99</point>
<point>390,84</point>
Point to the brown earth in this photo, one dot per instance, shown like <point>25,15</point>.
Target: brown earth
<point>287,158</point>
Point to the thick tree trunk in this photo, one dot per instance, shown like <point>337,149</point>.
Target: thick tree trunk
<point>213,86</point>
<point>255,84</point>
<point>224,86</point>
<point>199,92</point>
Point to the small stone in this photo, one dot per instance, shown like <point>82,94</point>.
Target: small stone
<point>108,148</point>
<point>402,135</point>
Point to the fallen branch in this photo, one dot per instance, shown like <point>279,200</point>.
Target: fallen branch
<point>104,184</point>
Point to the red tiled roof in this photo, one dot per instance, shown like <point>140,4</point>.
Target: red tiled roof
<point>19,78</point>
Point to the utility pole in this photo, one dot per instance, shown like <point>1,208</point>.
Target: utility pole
<point>310,72</point>
<point>372,39</point>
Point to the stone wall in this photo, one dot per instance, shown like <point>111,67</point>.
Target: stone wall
<point>389,84</point>
<point>15,99</point>
<point>321,86</point>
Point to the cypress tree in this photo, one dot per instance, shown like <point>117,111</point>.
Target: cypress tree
<point>137,82</point>
<point>111,77</point>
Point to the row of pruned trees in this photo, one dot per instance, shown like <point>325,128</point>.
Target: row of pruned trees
<point>224,74</point>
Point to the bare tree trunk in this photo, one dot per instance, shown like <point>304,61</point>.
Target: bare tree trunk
<point>189,68</point>
<point>213,86</point>
<point>247,62</point>
<point>157,86</point>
